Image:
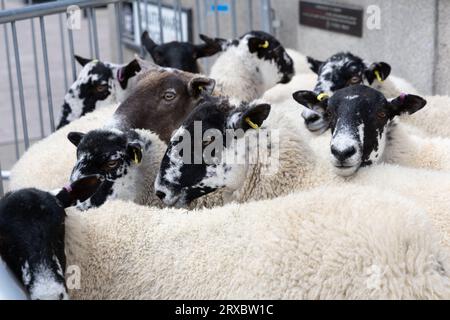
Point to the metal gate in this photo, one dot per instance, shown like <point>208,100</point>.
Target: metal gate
<point>39,48</point>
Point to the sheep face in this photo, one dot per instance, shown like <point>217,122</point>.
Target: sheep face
<point>161,101</point>
<point>339,71</point>
<point>360,118</point>
<point>209,151</point>
<point>111,154</point>
<point>99,84</point>
<point>273,62</point>
<point>32,242</point>
<point>178,55</point>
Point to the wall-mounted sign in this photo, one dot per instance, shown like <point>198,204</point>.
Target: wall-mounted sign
<point>177,24</point>
<point>333,17</point>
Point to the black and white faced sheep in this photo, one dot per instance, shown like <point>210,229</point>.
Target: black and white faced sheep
<point>250,65</point>
<point>179,55</point>
<point>194,165</point>
<point>99,84</point>
<point>32,236</point>
<point>361,121</point>
<point>126,161</point>
<point>339,71</point>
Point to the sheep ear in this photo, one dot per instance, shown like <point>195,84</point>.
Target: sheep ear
<point>75,138</point>
<point>134,151</point>
<point>127,72</point>
<point>314,64</point>
<point>82,61</point>
<point>217,43</point>
<point>147,42</point>
<point>80,190</point>
<point>378,71</point>
<point>201,86</point>
<point>206,50</point>
<point>311,100</point>
<point>406,104</point>
<point>252,118</point>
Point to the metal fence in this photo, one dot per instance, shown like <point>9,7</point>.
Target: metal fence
<point>28,114</point>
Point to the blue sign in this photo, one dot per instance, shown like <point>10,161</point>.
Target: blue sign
<point>220,7</point>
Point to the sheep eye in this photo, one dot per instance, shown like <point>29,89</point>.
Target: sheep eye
<point>169,96</point>
<point>112,164</point>
<point>381,115</point>
<point>101,88</point>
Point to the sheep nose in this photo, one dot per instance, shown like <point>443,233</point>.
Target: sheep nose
<point>344,154</point>
<point>313,117</point>
<point>160,195</point>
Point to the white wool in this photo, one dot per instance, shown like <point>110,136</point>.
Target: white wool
<point>300,63</point>
<point>311,245</point>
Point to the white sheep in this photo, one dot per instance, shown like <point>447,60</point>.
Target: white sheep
<point>312,245</point>
<point>254,170</point>
<point>249,66</point>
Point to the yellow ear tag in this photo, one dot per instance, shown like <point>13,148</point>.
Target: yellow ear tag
<point>201,88</point>
<point>377,74</point>
<point>136,158</point>
<point>265,45</point>
<point>95,61</point>
<point>322,97</point>
<point>251,124</point>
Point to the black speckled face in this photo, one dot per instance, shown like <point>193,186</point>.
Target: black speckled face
<point>268,48</point>
<point>107,153</point>
<point>198,159</point>
<point>360,118</point>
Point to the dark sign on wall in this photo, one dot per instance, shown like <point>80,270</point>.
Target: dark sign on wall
<point>336,17</point>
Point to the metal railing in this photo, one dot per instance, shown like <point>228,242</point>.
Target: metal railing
<point>40,112</point>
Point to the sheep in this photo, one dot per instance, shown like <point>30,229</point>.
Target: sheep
<point>179,55</point>
<point>127,161</point>
<point>344,69</point>
<point>249,66</point>
<point>295,247</point>
<point>271,162</point>
<point>161,100</point>
<point>99,84</point>
<point>32,236</point>
<point>365,130</point>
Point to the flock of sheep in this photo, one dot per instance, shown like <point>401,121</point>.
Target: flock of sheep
<point>356,207</point>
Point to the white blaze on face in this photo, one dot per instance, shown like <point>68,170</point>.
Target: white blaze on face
<point>377,155</point>
<point>45,285</point>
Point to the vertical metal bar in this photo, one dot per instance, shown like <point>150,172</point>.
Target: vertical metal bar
<point>20,86</point>
<point>36,77</point>
<point>234,18</point>
<point>206,27</point>
<point>250,14</point>
<point>146,15</point>
<point>118,8</point>
<point>266,14</point>
<point>91,41</point>
<point>11,87</point>
<point>72,54</point>
<point>161,23</point>
<point>175,20</point>
<point>216,17</point>
<point>63,50</point>
<point>199,18</point>
<point>95,33</point>
<point>2,190</point>
<point>180,20</point>
<point>47,74</point>
<point>139,13</point>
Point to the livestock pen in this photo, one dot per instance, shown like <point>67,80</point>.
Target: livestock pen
<point>40,41</point>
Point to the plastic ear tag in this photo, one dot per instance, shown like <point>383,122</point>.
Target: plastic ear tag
<point>136,159</point>
<point>322,97</point>
<point>265,45</point>
<point>377,74</point>
<point>95,61</point>
<point>251,124</point>
<point>201,88</point>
